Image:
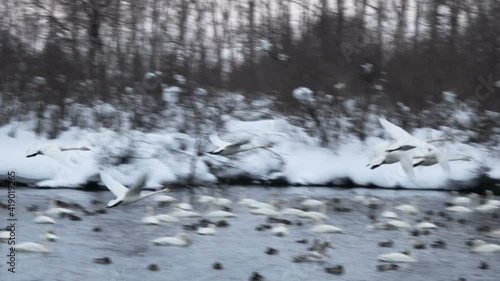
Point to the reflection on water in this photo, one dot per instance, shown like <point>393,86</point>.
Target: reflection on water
<point>239,247</point>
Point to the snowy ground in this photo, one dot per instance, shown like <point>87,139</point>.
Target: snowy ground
<point>167,156</point>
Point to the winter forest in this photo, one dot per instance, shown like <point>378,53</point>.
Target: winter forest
<point>154,78</point>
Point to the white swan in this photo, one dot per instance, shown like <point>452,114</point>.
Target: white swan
<point>209,230</point>
<point>227,148</point>
<point>397,224</point>
<point>221,201</point>
<point>150,218</point>
<point>55,211</point>
<point>458,209</point>
<point>244,200</point>
<point>53,151</point>
<point>386,158</point>
<point>265,212</point>
<point>493,233</point>
<point>426,225</point>
<point>486,208</point>
<point>290,211</point>
<point>397,257</point>
<point>308,202</point>
<point>388,213</point>
<point>41,219</point>
<point>320,227</point>
<point>436,156</point>
<point>461,200</point>
<point>34,247</point>
<point>280,230</point>
<point>409,208</point>
<point>166,218</point>
<point>49,235</point>
<point>180,213</point>
<point>490,199</point>
<point>180,239</point>
<point>124,195</point>
<point>404,140</point>
<point>321,215</point>
<point>185,205</point>
<point>164,199</point>
<point>204,198</point>
<point>480,246</point>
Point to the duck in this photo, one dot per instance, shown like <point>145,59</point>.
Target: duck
<point>41,219</point>
<point>209,230</point>
<point>480,246</point>
<point>180,239</point>
<point>125,195</point>
<point>227,148</point>
<point>53,151</point>
<point>150,218</point>
<point>397,257</point>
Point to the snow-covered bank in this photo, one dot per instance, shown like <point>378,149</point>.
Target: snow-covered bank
<point>170,158</point>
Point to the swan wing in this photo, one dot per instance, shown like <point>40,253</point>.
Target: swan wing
<point>396,132</point>
<point>214,138</point>
<point>115,187</point>
<point>442,158</point>
<point>407,164</point>
<point>136,188</point>
<point>55,153</point>
<point>238,144</point>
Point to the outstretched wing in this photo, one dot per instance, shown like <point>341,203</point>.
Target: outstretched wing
<point>407,164</point>
<point>117,188</point>
<point>214,138</point>
<point>55,153</point>
<point>136,188</point>
<point>442,158</point>
<point>238,144</point>
<point>396,132</point>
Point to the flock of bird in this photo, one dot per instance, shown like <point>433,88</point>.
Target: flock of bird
<point>411,151</point>
<point>406,149</point>
<point>279,214</point>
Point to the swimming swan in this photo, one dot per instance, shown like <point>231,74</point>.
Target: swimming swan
<point>41,219</point>
<point>124,195</point>
<point>180,239</point>
<point>397,257</point>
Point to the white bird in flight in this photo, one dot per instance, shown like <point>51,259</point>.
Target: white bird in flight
<point>53,151</point>
<point>227,148</point>
<point>127,195</point>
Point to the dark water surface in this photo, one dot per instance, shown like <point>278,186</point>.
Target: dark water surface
<point>239,247</point>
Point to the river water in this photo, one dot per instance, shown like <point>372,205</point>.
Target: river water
<point>240,248</point>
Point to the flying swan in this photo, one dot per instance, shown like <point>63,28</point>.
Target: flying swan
<point>124,195</point>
